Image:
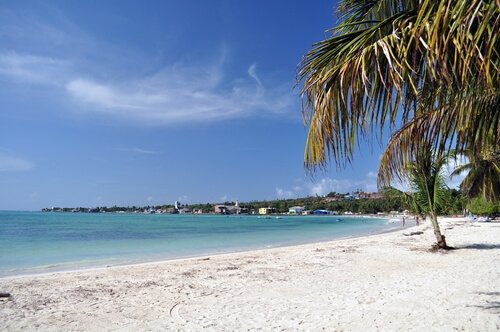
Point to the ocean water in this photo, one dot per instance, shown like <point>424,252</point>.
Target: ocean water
<point>36,242</point>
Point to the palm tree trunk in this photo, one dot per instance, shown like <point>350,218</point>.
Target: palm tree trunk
<point>441,241</point>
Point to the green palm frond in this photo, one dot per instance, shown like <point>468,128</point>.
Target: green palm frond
<point>483,177</point>
<point>460,170</point>
<point>403,63</point>
<point>468,122</point>
<point>427,181</point>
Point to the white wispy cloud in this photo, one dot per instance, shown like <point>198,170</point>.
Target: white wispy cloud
<point>174,94</point>
<point>179,94</point>
<point>252,71</point>
<point>44,29</point>
<point>33,69</point>
<point>14,164</point>
<point>141,151</point>
<point>88,70</point>
<point>282,193</point>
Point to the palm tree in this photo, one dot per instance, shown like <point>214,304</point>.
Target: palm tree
<point>427,69</point>
<point>429,189</point>
<point>483,177</point>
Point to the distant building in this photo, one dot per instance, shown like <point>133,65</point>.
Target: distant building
<point>185,209</point>
<point>267,210</point>
<point>296,210</point>
<point>172,210</point>
<point>229,209</point>
<point>236,209</point>
<point>220,209</point>
<point>334,199</point>
<point>356,195</point>
<point>321,212</point>
<point>181,208</point>
<point>372,195</point>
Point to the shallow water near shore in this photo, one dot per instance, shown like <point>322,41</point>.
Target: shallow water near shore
<point>36,242</point>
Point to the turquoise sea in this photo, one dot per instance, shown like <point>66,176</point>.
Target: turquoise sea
<point>36,242</point>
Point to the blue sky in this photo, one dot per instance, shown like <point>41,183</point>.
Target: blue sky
<point>148,102</point>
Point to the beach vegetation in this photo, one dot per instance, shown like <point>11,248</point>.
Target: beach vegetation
<point>482,173</point>
<point>429,195</point>
<point>454,204</point>
<point>429,189</point>
<point>483,207</point>
<point>426,71</point>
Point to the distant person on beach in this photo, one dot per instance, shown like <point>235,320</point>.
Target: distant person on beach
<point>416,220</point>
<point>404,219</point>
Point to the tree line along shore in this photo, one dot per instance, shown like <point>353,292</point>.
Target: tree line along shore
<point>455,204</point>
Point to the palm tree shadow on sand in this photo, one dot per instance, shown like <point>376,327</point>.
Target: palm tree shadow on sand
<point>490,305</point>
<point>479,246</point>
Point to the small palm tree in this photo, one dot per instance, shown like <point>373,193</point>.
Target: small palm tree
<point>429,190</point>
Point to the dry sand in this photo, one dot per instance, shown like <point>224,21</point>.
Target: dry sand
<point>387,282</point>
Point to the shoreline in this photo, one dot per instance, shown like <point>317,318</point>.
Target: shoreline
<point>196,257</point>
<point>84,265</point>
<point>386,281</point>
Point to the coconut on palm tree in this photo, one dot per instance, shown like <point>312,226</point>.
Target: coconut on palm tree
<point>428,70</point>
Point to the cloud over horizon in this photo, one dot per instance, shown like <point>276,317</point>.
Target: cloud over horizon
<point>326,185</point>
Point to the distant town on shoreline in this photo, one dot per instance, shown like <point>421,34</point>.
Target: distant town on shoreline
<point>333,203</point>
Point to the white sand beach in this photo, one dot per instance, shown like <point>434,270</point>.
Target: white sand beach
<point>386,282</point>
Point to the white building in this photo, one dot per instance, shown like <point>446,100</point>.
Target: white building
<point>296,210</point>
